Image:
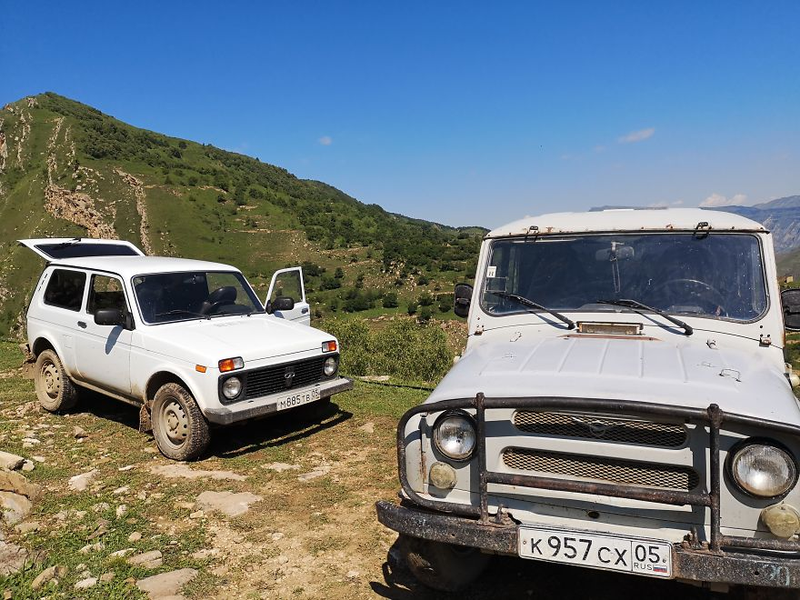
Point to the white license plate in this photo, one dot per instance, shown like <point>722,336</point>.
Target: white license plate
<point>642,557</point>
<point>298,399</point>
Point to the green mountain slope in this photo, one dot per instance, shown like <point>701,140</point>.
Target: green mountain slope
<point>67,169</point>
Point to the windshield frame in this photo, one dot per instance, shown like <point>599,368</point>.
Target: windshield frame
<point>243,280</point>
<point>615,309</point>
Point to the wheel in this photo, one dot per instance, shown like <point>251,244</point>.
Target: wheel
<point>180,430</point>
<point>443,567</point>
<point>54,389</point>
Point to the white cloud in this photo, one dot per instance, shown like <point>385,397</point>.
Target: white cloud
<point>720,200</point>
<point>637,136</point>
<point>326,140</point>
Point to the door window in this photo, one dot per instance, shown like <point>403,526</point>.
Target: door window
<point>105,292</point>
<point>65,289</point>
<point>288,284</point>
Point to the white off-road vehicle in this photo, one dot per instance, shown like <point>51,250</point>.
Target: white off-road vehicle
<point>187,341</point>
<point>623,403</point>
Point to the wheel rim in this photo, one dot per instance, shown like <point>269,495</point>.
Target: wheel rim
<point>174,422</point>
<point>51,378</point>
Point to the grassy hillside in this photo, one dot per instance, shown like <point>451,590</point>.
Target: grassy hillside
<point>67,169</point>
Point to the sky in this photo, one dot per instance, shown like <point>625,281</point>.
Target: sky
<point>464,113</point>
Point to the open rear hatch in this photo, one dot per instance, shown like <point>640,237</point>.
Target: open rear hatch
<point>63,248</point>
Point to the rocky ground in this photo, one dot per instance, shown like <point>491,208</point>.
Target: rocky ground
<point>278,509</point>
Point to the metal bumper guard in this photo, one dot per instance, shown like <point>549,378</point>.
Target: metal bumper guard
<point>726,559</point>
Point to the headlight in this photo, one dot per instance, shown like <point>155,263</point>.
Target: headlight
<point>329,366</point>
<point>454,435</point>
<point>763,470</point>
<point>232,387</point>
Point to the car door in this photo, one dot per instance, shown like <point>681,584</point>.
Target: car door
<point>103,352</point>
<point>289,283</point>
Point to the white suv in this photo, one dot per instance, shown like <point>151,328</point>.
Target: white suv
<point>187,341</point>
<point>622,404</point>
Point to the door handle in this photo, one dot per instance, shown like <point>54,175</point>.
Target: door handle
<point>82,324</point>
<point>304,310</point>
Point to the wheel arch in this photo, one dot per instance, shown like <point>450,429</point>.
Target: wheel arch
<point>41,344</point>
<point>161,378</point>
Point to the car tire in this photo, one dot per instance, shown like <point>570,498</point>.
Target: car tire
<point>179,428</point>
<point>440,566</point>
<point>54,389</point>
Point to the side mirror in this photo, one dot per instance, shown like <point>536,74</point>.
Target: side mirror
<point>791,309</point>
<point>463,297</point>
<point>281,303</point>
<point>110,316</point>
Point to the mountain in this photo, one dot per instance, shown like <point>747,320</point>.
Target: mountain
<point>781,217</point>
<point>66,169</point>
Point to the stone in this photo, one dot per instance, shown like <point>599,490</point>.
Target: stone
<point>135,536</point>
<point>317,472</point>
<point>96,547</point>
<point>121,553</point>
<point>106,577</point>
<point>122,509</point>
<point>28,527</point>
<point>281,467</point>
<point>185,472</point>
<point>80,482</point>
<point>101,507</point>
<point>79,433</point>
<point>228,503</point>
<point>17,484</point>
<point>28,466</point>
<point>14,507</point>
<point>12,558</point>
<point>148,560</point>
<point>85,584</point>
<point>9,461</point>
<point>368,427</point>
<point>197,514</point>
<point>282,559</point>
<point>353,574</point>
<point>126,468</point>
<point>205,553</point>
<point>277,536</point>
<point>46,575</point>
<point>167,584</point>
<point>121,490</point>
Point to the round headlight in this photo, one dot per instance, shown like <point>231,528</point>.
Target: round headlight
<point>454,435</point>
<point>764,470</point>
<point>232,387</point>
<point>329,366</point>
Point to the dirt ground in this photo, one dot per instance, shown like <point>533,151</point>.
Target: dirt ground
<point>313,533</point>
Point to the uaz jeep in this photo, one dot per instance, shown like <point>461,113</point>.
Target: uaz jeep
<point>623,403</point>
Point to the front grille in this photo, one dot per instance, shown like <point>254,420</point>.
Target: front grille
<point>644,433</point>
<point>271,380</point>
<point>595,468</point>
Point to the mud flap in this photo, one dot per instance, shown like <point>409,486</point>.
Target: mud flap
<point>29,363</point>
<point>145,424</point>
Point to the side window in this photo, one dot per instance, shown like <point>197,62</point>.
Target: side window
<point>105,292</point>
<point>288,284</point>
<point>65,289</point>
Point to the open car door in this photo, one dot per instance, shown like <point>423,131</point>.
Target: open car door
<point>288,283</point>
<point>63,248</point>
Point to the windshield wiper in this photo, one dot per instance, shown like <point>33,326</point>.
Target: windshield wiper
<point>531,304</point>
<point>636,304</point>
<point>181,311</point>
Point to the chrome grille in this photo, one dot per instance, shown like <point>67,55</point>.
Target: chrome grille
<point>644,433</point>
<point>597,468</point>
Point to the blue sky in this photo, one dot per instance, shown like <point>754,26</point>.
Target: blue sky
<point>457,112</point>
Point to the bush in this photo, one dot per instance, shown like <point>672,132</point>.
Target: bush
<point>412,307</point>
<point>390,300</point>
<point>425,314</point>
<point>425,299</point>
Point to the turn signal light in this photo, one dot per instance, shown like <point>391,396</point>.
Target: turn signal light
<point>329,346</point>
<point>200,368</point>
<point>231,364</point>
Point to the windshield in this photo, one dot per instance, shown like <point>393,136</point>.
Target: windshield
<point>168,297</point>
<point>716,275</point>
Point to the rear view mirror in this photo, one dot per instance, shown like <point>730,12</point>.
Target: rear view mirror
<point>463,297</point>
<point>281,303</point>
<point>791,309</point>
<point>110,316</point>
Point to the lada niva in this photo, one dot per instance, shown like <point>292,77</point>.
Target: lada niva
<point>623,403</point>
<point>186,341</point>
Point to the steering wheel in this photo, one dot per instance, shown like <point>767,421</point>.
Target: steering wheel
<point>219,297</point>
<point>703,292</point>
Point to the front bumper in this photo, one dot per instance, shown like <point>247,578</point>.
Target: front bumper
<point>258,408</point>
<point>736,568</point>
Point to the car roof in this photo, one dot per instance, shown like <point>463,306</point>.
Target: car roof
<point>128,266</point>
<point>627,219</point>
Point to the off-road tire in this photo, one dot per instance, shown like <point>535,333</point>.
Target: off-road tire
<point>180,430</point>
<point>443,567</point>
<point>54,389</point>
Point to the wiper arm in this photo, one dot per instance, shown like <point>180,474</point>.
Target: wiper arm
<point>636,304</point>
<point>531,304</point>
<point>180,311</point>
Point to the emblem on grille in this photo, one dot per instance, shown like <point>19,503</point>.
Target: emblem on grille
<point>597,428</point>
<point>288,376</point>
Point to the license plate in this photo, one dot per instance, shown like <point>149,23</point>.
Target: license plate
<point>642,557</point>
<point>298,399</point>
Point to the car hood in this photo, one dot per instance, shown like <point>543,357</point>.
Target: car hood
<point>253,338</point>
<point>682,372</point>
